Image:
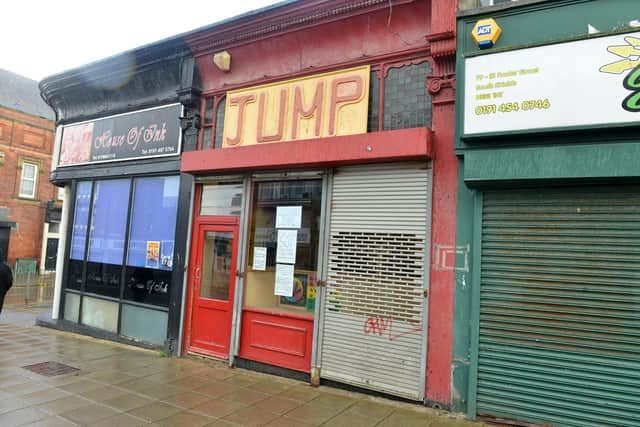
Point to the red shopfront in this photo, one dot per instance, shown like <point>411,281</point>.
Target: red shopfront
<point>315,202</point>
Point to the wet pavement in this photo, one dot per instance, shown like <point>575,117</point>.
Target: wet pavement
<point>118,385</point>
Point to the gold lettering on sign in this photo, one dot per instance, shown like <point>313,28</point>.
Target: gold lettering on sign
<point>280,114</point>
<point>241,102</point>
<point>314,111</point>
<point>318,106</point>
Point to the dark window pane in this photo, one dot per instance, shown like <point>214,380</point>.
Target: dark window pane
<point>147,285</point>
<point>208,111</point>
<point>74,279</point>
<point>407,104</point>
<point>374,103</point>
<point>206,138</point>
<point>109,222</point>
<point>220,123</point>
<point>103,279</point>
<point>80,220</point>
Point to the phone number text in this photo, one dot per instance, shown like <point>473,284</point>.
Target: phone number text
<point>512,107</point>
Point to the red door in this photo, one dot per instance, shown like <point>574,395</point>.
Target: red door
<point>212,288</point>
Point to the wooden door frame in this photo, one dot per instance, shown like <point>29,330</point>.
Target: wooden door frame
<point>198,223</point>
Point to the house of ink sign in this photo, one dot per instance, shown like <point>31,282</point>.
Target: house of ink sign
<point>582,83</point>
<point>317,106</point>
<point>146,133</point>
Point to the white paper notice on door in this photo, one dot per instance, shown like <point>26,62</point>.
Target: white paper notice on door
<point>288,216</point>
<point>287,242</point>
<point>259,258</point>
<point>284,280</point>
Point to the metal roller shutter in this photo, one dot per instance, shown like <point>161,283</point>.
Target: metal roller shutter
<point>559,337</point>
<point>374,321</point>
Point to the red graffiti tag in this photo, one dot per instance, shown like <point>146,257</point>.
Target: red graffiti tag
<point>378,325</point>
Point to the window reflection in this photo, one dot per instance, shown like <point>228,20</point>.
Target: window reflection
<point>217,253</point>
<point>146,275</point>
<point>221,199</point>
<point>107,235</point>
<point>260,284</point>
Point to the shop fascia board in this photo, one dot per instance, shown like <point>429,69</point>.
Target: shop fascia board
<point>103,70</point>
<point>579,161</point>
<point>375,147</point>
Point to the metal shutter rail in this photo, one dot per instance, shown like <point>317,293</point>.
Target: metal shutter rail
<point>373,321</point>
<point>560,307</point>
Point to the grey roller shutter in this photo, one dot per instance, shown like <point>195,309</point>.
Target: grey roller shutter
<point>374,320</point>
<point>559,338</point>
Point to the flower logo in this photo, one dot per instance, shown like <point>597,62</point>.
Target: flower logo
<point>630,53</point>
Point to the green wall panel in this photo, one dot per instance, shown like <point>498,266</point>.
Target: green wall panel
<point>553,162</point>
<point>462,320</point>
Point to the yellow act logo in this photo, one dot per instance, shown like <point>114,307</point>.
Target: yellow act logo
<point>486,33</point>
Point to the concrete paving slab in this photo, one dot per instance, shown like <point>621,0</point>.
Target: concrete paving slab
<point>119,385</point>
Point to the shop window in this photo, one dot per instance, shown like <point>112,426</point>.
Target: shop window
<point>122,248</point>
<point>407,104</point>
<point>151,240</point>
<point>106,241</point>
<point>28,180</point>
<point>304,199</point>
<point>79,235</point>
<point>221,199</point>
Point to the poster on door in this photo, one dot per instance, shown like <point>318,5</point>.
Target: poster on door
<point>284,280</point>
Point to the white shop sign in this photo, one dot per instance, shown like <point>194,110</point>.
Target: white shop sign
<point>578,83</point>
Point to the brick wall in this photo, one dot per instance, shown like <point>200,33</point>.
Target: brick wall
<point>25,138</point>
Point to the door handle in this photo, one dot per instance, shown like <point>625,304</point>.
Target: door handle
<point>197,273</point>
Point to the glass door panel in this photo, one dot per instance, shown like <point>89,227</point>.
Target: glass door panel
<point>217,255</point>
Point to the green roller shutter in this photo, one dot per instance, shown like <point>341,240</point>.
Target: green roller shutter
<point>559,339</point>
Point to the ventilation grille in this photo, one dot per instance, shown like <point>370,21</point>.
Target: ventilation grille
<point>376,274</point>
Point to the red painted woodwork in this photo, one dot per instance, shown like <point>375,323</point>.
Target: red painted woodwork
<point>209,328</point>
<point>283,44</point>
<point>277,338</point>
<point>444,201</point>
<point>395,145</point>
<point>442,279</point>
<point>348,39</point>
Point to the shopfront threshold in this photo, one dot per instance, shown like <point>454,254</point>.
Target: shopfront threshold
<point>45,320</point>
